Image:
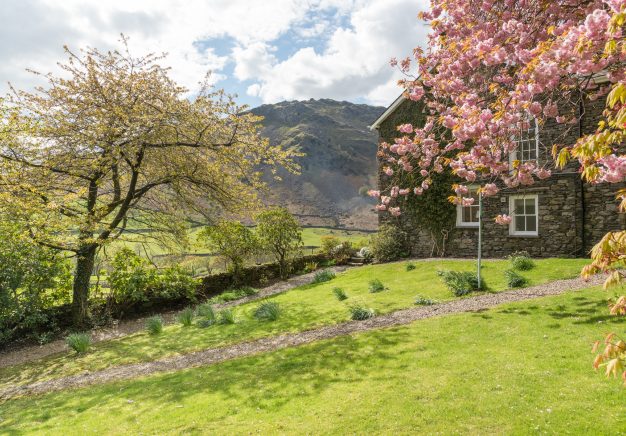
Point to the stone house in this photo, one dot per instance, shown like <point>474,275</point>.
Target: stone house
<point>559,216</point>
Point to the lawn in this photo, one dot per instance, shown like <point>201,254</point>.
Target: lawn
<point>303,308</point>
<point>521,368</point>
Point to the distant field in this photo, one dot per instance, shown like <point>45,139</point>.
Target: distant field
<point>311,237</point>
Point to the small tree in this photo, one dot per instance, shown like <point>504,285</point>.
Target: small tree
<point>233,241</point>
<point>279,233</point>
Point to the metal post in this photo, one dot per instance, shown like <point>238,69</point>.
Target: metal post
<point>480,234</point>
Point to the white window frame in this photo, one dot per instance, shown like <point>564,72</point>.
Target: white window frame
<point>513,156</point>
<point>459,213</point>
<point>512,230</point>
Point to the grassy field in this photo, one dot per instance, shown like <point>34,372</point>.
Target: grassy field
<point>303,308</point>
<point>523,368</point>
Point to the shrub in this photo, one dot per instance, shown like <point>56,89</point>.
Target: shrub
<point>134,280</point>
<point>280,234</point>
<point>423,301</point>
<point>78,342</point>
<point>328,243</point>
<point>359,313</point>
<point>310,266</point>
<point>514,279</point>
<point>460,282</point>
<point>185,317</point>
<point>226,316</point>
<point>233,241</point>
<point>323,276</point>
<point>340,294</point>
<point>390,243</point>
<point>343,252</point>
<point>376,286</point>
<point>521,261</point>
<point>154,325</point>
<point>267,311</point>
<point>410,266</point>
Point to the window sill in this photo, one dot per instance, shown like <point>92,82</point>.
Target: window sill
<point>536,235</point>
<point>467,226</point>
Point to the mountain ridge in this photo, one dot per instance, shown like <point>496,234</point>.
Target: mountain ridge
<point>339,161</point>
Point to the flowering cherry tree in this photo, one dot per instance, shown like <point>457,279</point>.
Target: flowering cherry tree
<point>489,69</point>
<point>492,67</point>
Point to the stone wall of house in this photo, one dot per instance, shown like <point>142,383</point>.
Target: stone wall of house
<point>573,215</point>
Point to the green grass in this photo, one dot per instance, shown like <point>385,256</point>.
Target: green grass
<point>302,308</point>
<point>312,236</point>
<point>523,368</point>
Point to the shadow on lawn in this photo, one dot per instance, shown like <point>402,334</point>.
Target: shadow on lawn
<point>266,382</point>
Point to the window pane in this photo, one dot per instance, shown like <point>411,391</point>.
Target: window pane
<point>530,206</point>
<point>519,224</point>
<point>519,206</point>
<point>531,224</point>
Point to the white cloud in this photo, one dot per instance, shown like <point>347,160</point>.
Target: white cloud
<point>355,61</point>
<point>353,64</point>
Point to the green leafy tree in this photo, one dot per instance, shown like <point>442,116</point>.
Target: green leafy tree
<point>114,142</point>
<point>280,234</point>
<point>231,240</point>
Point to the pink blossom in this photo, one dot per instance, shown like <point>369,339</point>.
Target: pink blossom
<point>394,191</point>
<point>460,190</point>
<point>489,190</point>
<point>404,191</point>
<point>503,219</point>
<point>416,93</point>
<point>373,193</point>
<point>380,207</point>
<point>543,173</point>
<point>405,128</point>
<point>418,191</point>
<point>388,171</point>
<point>395,211</point>
<point>385,199</point>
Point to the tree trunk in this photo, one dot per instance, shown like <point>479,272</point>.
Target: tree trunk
<point>82,278</point>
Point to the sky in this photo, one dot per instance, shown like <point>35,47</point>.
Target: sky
<point>265,51</point>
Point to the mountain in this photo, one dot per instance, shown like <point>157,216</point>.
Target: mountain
<point>339,161</point>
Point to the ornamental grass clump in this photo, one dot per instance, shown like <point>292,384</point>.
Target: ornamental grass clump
<point>79,342</point>
<point>185,317</point>
<point>267,311</point>
<point>226,316</point>
<point>521,261</point>
<point>410,266</point>
<point>154,325</point>
<point>376,286</point>
<point>360,313</point>
<point>423,301</point>
<point>323,276</point>
<point>460,282</point>
<point>340,294</point>
<point>514,279</point>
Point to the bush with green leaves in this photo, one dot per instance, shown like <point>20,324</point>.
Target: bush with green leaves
<point>154,325</point>
<point>325,275</point>
<point>226,316</point>
<point>460,282</point>
<point>267,311</point>
<point>32,279</point>
<point>521,261</point>
<point>340,294</point>
<point>133,279</point>
<point>376,286</point>
<point>360,313</point>
<point>514,279</point>
<point>79,342</point>
<point>185,317</point>
<point>389,243</point>
<point>410,266</point>
<point>423,301</point>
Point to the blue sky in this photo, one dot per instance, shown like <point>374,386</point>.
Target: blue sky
<point>263,51</point>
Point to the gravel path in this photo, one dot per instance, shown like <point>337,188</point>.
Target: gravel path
<point>128,327</point>
<point>215,355</point>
